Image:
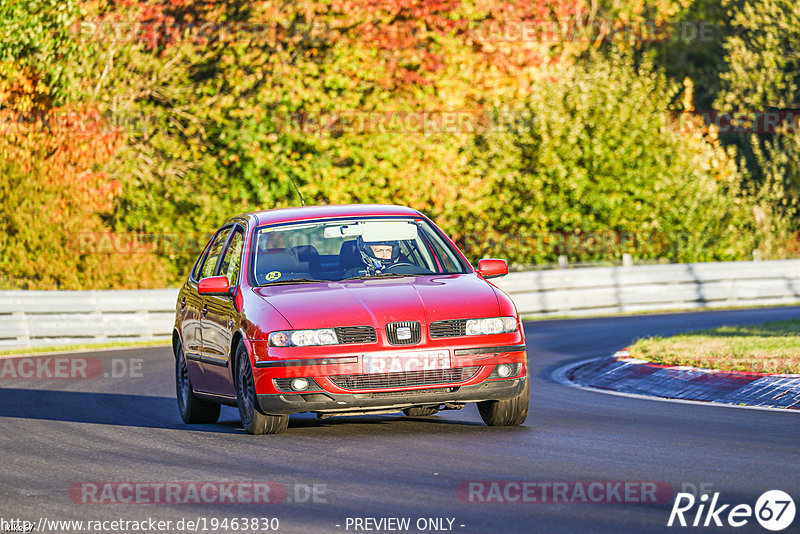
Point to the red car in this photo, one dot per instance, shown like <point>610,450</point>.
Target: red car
<point>344,310</point>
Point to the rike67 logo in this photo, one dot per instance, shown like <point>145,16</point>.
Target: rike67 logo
<point>774,510</point>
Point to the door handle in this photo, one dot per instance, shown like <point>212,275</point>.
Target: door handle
<point>205,310</point>
<point>183,303</point>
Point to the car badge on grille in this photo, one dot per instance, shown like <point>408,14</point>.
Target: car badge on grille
<point>403,332</point>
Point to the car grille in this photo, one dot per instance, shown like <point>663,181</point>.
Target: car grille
<point>407,378</point>
<point>404,393</point>
<point>355,334</point>
<point>396,339</point>
<point>456,327</point>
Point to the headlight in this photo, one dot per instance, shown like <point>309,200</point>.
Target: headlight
<point>303,338</point>
<point>493,325</point>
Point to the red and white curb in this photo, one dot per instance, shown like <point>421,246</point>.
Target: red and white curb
<point>623,374</point>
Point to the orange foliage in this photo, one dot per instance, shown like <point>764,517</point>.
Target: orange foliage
<point>53,188</point>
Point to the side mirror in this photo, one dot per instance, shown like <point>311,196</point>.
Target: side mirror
<point>214,285</point>
<point>492,268</point>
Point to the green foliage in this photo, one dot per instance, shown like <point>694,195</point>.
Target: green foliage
<point>746,62</point>
<point>35,38</point>
<point>693,48</point>
<point>763,56</point>
<point>762,76</point>
<point>47,234</point>
<point>600,152</point>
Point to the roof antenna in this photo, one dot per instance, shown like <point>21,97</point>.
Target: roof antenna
<point>302,200</point>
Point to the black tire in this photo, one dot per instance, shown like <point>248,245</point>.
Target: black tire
<point>421,411</point>
<point>253,419</point>
<point>511,412</point>
<point>192,410</point>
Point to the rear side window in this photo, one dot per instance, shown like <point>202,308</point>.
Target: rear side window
<point>212,258</point>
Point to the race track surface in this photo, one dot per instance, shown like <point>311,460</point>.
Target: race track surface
<point>59,434</point>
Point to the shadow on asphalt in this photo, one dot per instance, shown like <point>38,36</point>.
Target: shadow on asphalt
<point>97,408</point>
<point>310,421</point>
<point>161,412</point>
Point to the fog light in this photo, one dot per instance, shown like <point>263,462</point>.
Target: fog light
<point>503,370</point>
<point>299,384</point>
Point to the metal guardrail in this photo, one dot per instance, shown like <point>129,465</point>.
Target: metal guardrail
<point>600,290</point>
<point>51,318</point>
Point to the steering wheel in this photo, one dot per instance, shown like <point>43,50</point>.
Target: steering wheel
<point>390,269</point>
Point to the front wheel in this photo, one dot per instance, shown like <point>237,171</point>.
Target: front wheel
<point>253,420</point>
<point>192,409</point>
<point>510,412</point>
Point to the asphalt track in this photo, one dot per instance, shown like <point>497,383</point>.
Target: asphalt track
<point>58,433</point>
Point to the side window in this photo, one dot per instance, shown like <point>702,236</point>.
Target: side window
<point>212,258</point>
<point>233,257</point>
<point>199,264</point>
<point>449,262</point>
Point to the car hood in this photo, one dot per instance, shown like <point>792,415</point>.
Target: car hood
<point>381,301</point>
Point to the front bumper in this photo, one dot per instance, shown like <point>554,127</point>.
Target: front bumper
<point>326,402</point>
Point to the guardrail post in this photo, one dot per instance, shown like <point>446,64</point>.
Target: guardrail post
<point>627,260</point>
<point>25,338</point>
<point>143,316</point>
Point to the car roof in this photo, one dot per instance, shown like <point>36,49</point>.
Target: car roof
<point>284,215</point>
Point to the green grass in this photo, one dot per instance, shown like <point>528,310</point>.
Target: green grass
<point>772,347</point>
<point>84,346</point>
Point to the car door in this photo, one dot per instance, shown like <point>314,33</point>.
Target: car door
<point>219,321</point>
<point>209,268</point>
<point>190,303</point>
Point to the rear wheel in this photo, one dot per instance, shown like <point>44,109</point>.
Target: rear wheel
<point>421,411</point>
<point>192,409</point>
<point>253,420</point>
<point>511,412</point>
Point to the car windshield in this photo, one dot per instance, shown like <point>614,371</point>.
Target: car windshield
<point>358,248</point>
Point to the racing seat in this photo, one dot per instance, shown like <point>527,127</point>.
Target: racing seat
<point>349,258</point>
<point>310,255</point>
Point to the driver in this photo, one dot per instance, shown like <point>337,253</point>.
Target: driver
<point>378,255</point>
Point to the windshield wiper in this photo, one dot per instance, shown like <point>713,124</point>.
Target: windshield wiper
<point>294,281</point>
<point>373,276</point>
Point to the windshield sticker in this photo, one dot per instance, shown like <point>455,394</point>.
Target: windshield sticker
<point>272,276</point>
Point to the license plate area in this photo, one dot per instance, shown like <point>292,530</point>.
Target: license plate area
<point>399,362</point>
